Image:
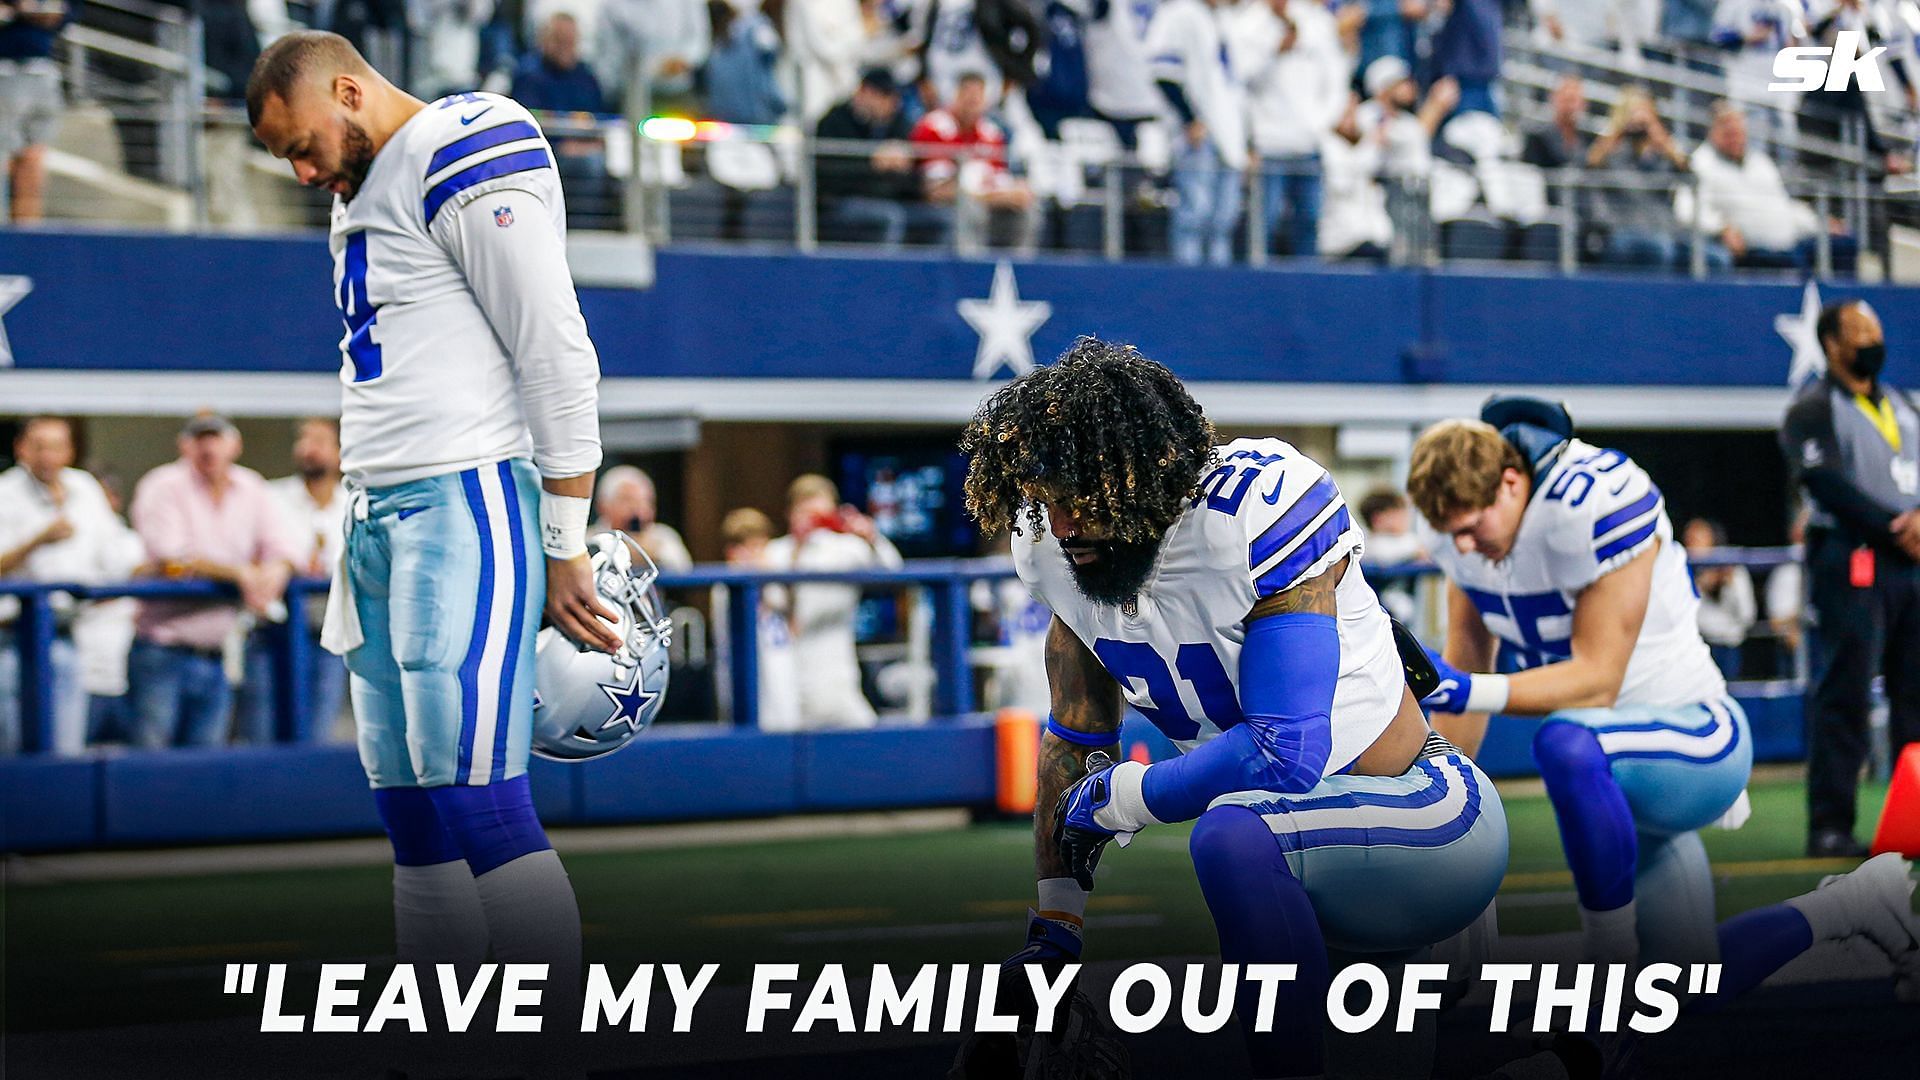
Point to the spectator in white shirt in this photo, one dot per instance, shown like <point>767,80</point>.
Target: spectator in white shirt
<point>1596,24</point>
<point>664,42</point>
<point>1744,203</point>
<point>1757,30</point>
<point>1727,609</point>
<point>1287,53</point>
<point>103,632</point>
<point>746,533</point>
<point>625,499</point>
<point>828,536</point>
<point>57,527</point>
<point>826,41</point>
<point>1787,604</point>
<point>446,44</point>
<point>1404,123</point>
<point>1354,223</point>
<point>1195,74</point>
<point>314,502</point>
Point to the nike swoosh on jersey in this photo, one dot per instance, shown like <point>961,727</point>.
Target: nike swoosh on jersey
<point>1273,497</point>
<point>1623,484</point>
<point>465,120</point>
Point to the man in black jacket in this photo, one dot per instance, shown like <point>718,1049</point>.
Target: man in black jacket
<point>1854,442</point>
<point>863,190</point>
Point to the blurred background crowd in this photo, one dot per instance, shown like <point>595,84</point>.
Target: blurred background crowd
<point>1621,132</point>
<point>200,670</point>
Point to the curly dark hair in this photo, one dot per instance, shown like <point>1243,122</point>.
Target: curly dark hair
<point>1105,430</point>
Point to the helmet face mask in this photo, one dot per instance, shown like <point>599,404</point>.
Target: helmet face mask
<point>588,704</point>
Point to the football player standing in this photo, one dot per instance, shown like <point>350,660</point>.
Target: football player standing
<point>469,436</point>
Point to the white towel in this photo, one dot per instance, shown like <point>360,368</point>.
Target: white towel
<point>340,631</point>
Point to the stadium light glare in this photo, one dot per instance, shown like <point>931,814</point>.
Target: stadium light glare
<point>668,128</point>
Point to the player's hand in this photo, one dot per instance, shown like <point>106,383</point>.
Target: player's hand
<point>1455,686</point>
<point>1052,944</point>
<point>1087,820</point>
<point>574,605</point>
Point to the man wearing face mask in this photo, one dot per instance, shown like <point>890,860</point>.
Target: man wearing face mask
<point>1854,442</point>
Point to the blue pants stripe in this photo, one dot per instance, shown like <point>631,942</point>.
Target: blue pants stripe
<point>516,537</point>
<point>1715,717</point>
<point>477,643</point>
<point>1375,836</point>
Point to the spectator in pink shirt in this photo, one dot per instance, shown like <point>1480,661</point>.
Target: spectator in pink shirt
<point>205,518</point>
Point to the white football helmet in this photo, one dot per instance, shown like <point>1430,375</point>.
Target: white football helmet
<point>586,703</point>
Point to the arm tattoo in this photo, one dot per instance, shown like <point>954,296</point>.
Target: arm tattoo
<point>1085,698</point>
<point>1314,595</point>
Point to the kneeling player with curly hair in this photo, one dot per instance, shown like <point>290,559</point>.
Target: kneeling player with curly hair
<point>1217,591</point>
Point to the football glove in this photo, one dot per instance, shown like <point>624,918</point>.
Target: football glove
<point>1455,687</point>
<point>1078,831</point>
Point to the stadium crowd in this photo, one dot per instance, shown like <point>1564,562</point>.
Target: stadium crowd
<point>1369,121</point>
<point>158,672</point>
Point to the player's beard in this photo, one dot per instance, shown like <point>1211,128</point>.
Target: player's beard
<point>356,157</point>
<point>1116,576</point>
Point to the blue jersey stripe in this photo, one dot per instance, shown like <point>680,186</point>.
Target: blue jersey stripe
<point>484,139</point>
<point>505,165</point>
<point>509,667</point>
<point>482,615</point>
<point>1626,513</point>
<point>1627,542</point>
<point>1289,569</point>
<point>1293,522</point>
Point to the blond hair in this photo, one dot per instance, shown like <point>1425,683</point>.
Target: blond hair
<point>744,526</point>
<point>1456,469</point>
<point>810,486</point>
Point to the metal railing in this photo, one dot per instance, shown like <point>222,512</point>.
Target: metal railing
<point>777,186</point>
<point>142,63</point>
<point>951,650</point>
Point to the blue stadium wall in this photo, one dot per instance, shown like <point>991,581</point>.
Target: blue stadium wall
<point>136,799</point>
<point>105,302</point>
<point>161,302</point>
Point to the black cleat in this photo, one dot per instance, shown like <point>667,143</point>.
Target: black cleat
<point>1834,844</point>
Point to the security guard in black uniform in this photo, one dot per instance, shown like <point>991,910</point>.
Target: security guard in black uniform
<point>1854,442</point>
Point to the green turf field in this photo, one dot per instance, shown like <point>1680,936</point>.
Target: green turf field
<point>115,952</point>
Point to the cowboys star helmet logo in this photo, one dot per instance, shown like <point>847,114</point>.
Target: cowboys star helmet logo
<point>629,703</point>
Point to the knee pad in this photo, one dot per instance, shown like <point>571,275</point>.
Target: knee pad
<point>492,824</point>
<point>413,825</point>
<point>1229,841</point>
<point>1563,750</point>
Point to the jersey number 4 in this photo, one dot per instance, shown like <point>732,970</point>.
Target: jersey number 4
<point>1197,664</point>
<point>358,311</point>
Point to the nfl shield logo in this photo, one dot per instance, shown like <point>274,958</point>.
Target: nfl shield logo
<point>502,216</point>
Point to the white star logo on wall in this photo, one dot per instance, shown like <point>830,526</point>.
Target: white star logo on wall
<point>1799,331</point>
<point>13,289</point>
<point>1005,324</point>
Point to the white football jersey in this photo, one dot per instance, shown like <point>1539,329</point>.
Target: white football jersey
<point>1592,513</point>
<point>1267,518</point>
<point>460,331</point>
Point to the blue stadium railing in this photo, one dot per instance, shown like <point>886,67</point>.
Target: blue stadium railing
<point>949,581</point>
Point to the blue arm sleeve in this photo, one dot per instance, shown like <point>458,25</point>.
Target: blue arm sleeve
<point>1288,669</point>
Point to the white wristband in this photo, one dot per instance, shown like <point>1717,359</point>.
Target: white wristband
<point>563,525</point>
<point>1062,900</point>
<point>1488,694</point>
<point>1126,811</point>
